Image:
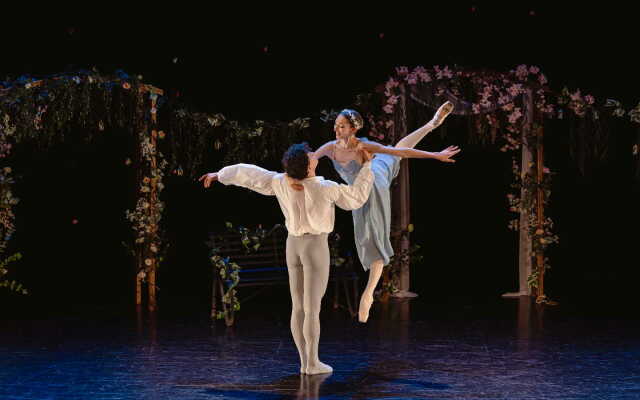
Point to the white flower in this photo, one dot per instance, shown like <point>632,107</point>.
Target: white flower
<point>148,262</point>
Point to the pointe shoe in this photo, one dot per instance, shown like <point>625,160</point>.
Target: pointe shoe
<point>365,306</point>
<point>442,113</point>
<point>319,368</point>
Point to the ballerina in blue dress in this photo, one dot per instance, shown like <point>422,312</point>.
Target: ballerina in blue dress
<point>372,222</point>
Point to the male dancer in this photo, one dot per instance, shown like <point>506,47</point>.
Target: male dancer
<point>307,202</point>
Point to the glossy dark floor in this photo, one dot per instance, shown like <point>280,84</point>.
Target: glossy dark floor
<point>508,349</point>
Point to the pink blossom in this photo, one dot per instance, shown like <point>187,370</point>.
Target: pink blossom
<point>391,83</point>
<point>515,89</point>
<point>542,79</point>
<point>389,123</point>
<point>522,71</point>
<point>545,170</point>
<point>589,99</point>
<point>419,70</point>
<point>576,96</point>
<point>424,76</point>
<point>508,107</point>
<point>393,100</point>
<point>444,73</point>
<point>475,108</point>
<point>503,99</point>
<point>412,79</point>
<point>515,115</point>
<point>402,70</point>
<point>388,109</point>
<point>534,70</point>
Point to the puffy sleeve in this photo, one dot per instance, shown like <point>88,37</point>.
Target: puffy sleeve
<point>351,197</point>
<point>248,176</point>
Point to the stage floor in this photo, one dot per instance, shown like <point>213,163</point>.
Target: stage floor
<point>508,349</point>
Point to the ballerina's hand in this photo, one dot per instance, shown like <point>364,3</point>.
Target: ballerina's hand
<point>208,179</point>
<point>446,154</point>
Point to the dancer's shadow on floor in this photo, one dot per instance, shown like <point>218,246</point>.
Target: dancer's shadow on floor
<point>290,387</point>
<point>363,384</point>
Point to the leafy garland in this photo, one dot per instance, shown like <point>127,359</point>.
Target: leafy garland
<point>42,111</point>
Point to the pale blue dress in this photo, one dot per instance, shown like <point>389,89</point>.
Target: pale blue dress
<point>372,222</point>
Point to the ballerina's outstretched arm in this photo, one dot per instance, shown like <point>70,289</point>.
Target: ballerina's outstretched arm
<point>406,152</point>
<point>324,150</point>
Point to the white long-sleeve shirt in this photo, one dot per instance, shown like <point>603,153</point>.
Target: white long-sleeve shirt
<point>307,211</point>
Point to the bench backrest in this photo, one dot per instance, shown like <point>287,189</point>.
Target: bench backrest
<point>268,263</point>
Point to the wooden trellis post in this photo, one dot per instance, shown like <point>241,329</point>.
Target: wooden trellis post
<point>525,244</point>
<point>401,205</point>
<point>540,208</point>
<point>146,252</point>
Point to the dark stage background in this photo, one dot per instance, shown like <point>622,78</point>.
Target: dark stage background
<point>281,67</point>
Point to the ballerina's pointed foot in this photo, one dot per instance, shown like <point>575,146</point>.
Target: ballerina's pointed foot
<point>365,306</point>
<point>319,368</point>
<point>444,111</point>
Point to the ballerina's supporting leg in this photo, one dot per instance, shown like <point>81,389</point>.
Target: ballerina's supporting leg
<point>375,272</point>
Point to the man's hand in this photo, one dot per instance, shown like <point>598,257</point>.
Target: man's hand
<point>362,147</point>
<point>209,178</point>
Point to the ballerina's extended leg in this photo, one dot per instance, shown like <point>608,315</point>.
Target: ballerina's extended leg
<point>412,139</point>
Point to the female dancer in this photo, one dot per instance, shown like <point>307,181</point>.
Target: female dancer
<point>372,222</point>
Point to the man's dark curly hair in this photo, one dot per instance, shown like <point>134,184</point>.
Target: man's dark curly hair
<point>296,161</point>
